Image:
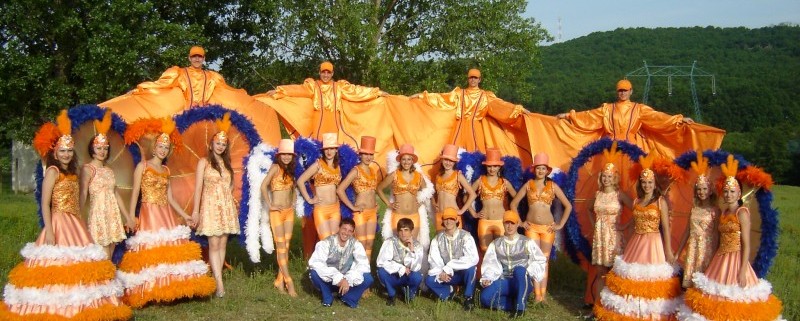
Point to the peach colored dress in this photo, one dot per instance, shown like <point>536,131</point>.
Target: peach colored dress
<point>70,279</point>
<point>717,293</point>
<point>641,285</point>
<point>699,244</point>
<point>218,212</point>
<point>607,241</point>
<point>105,220</point>
<point>161,264</point>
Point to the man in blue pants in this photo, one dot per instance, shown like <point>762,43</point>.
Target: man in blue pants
<point>399,262</point>
<point>453,260</point>
<point>339,264</point>
<point>508,266</point>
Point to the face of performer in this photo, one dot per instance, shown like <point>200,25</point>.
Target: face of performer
<point>624,95</point>
<point>492,170</point>
<point>406,162</point>
<point>510,228</point>
<point>450,224</point>
<point>473,82</point>
<point>607,179</point>
<point>161,151</point>
<point>648,185</point>
<point>367,158</point>
<point>325,76</point>
<point>345,232</point>
<point>702,192</point>
<point>406,235</point>
<point>448,164</point>
<point>730,195</point>
<point>540,171</point>
<point>197,61</point>
<point>64,155</point>
<point>100,152</point>
<point>329,153</point>
<point>286,158</point>
<point>219,147</point>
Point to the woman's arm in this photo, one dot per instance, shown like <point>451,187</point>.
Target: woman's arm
<point>470,194</point>
<point>49,181</point>
<point>475,187</point>
<point>86,178</point>
<point>264,187</point>
<point>137,185</point>
<point>301,182</point>
<point>744,221</point>
<point>388,180</point>
<point>341,190</point>
<point>198,187</point>
<point>666,231</point>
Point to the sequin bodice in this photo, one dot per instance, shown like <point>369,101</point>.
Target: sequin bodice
<point>546,196</point>
<point>730,233</point>
<point>607,203</point>
<point>366,180</point>
<point>700,222</point>
<point>400,186</point>
<point>280,181</point>
<point>154,186</point>
<point>327,175</point>
<point>65,195</point>
<point>498,191</point>
<point>448,185</point>
<point>646,218</point>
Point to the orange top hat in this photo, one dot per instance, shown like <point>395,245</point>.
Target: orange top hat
<point>326,65</point>
<point>449,213</point>
<point>406,149</point>
<point>450,152</point>
<point>367,145</point>
<point>511,216</point>
<point>197,51</point>
<point>285,146</point>
<point>493,157</point>
<point>474,73</point>
<point>542,159</point>
<point>329,140</point>
<point>624,85</point>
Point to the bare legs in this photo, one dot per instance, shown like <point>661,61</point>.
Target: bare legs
<point>216,256</point>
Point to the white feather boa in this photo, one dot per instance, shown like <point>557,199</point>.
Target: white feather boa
<point>757,293</point>
<point>62,295</point>
<point>685,313</point>
<point>639,307</point>
<point>163,235</point>
<point>58,253</point>
<point>423,198</point>
<point>643,272</point>
<point>151,274</point>
<point>257,224</point>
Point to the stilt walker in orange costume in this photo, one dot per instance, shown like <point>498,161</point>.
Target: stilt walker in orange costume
<point>492,189</point>
<point>276,190</point>
<point>540,225</point>
<point>364,178</point>
<point>327,175</point>
<point>65,275</point>
<point>729,288</point>
<point>448,183</point>
<point>215,210</point>
<point>162,264</point>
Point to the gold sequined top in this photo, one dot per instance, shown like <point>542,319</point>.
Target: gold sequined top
<point>646,218</point>
<point>154,185</point>
<point>448,185</point>
<point>487,191</point>
<point>400,186</point>
<point>366,180</point>
<point>281,182</point>
<point>65,194</point>
<point>730,233</point>
<point>546,196</point>
<point>327,175</point>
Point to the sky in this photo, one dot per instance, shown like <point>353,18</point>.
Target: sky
<point>582,17</point>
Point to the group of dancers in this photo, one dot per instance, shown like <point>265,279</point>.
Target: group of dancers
<point>161,264</point>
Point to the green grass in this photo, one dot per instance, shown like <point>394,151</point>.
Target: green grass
<point>250,295</point>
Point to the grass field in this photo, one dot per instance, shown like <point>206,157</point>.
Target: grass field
<point>250,295</point>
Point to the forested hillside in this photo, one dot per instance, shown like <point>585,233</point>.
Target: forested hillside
<point>757,82</point>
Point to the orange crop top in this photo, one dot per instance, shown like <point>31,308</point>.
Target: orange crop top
<point>281,182</point>
<point>327,175</point>
<point>448,185</point>
<point>730,233</point>
<point>546,196</point>
<point>400,186</point>
<point>366,180</point>
<point>492,192</point>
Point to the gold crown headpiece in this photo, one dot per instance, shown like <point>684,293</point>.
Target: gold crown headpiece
<point>647,164</point>
<point>223,125</point>
<point>701,168</point>
<point>102,127</point>
<point>167,127</point>
<point>611,156</point>
<point>729,169</point>
<point>65,127</point>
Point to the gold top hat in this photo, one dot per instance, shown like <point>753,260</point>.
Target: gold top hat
<point>406,149</point>
<point>493,157</point>
<point>285,146</point>
<point>450,152</point>
<point>542,159</point>
<point>367,145</point>
<point>329,140</point>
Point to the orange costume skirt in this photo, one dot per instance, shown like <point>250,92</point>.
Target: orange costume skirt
<point>162,264</point>
<point>71,279</point>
